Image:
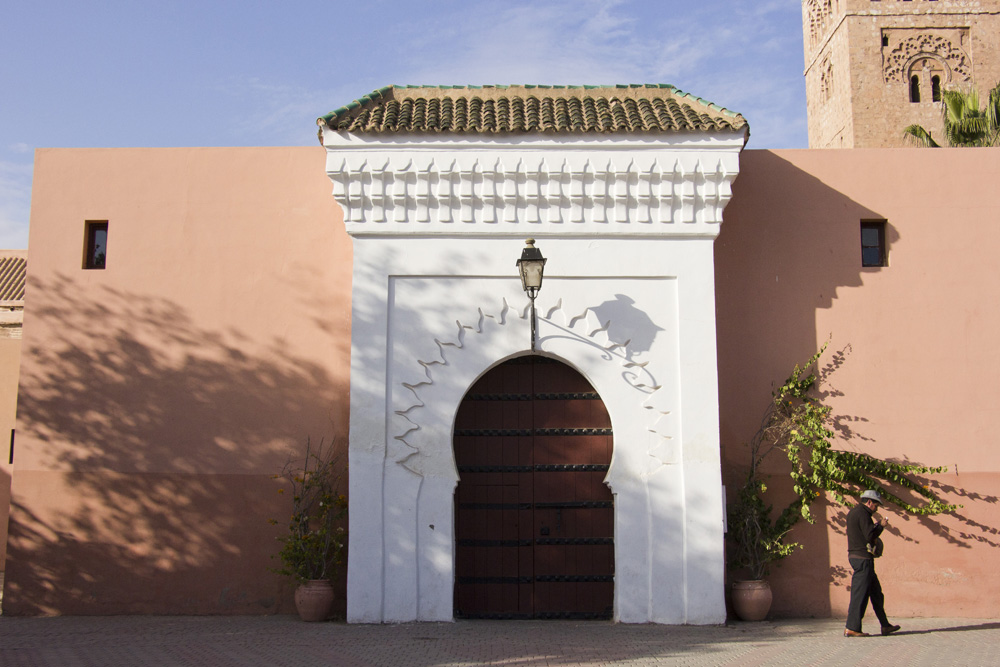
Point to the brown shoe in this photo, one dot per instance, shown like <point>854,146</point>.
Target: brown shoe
<point>852,633</point>
<point>889,629</point>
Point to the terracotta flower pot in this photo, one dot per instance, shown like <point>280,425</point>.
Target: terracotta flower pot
<point>314,599</point>
<point>751,599</point>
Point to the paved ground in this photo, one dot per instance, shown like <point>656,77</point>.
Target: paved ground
<point>277,641</point>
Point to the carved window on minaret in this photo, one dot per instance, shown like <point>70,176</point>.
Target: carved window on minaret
<point>925,55</point>
<point>819,12</point>
<point>926,75</point>
<point>826,80</point>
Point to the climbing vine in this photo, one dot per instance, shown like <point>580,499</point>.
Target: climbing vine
<point>797,423</point>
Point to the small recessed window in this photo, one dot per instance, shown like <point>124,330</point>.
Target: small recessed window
<point>96,244</point>
<point>873,251</point>
<point>914,89</point>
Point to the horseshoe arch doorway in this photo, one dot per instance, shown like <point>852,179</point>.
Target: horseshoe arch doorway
<point>534,521</point>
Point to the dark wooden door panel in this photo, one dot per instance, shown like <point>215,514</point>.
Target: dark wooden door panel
<point>583,412</point>
<point>534,520</point>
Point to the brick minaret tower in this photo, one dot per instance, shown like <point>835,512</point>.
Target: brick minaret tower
<point>872,67</point>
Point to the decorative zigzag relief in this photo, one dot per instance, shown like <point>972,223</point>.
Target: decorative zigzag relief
<point>585,326</point>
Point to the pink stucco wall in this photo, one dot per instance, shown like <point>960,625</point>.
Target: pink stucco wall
<point>911,364</point>
<point>10,361</point>
<point>160,394</point>
<point>11,312</point>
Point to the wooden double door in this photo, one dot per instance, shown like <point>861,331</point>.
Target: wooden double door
<point>534,520</point>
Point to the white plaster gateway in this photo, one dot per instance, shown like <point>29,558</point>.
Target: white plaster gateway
<point>627,225</point>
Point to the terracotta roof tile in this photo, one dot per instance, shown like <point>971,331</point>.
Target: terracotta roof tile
<point>619,109</point>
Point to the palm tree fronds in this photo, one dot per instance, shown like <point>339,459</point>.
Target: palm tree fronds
<point>965,124</point>
<point>917,135</point>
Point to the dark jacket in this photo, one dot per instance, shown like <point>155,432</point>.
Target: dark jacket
<point>861,531</point>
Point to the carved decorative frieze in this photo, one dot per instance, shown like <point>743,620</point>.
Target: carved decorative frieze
<point>901,54</point>
<point>819,13</point>
<point>616,192</point>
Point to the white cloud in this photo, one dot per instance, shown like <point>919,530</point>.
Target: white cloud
<point>745,58</point>
<point>285,114</point>
<point>541,42</point>
<point>15,204</point>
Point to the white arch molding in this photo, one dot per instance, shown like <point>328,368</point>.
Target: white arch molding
<point>426,404</point>
<point>627,302</point>
<point>427,426</point>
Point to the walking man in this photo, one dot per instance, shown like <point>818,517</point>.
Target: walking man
<point>862,533</point>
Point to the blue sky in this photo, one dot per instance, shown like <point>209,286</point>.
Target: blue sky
<point>258,73</point>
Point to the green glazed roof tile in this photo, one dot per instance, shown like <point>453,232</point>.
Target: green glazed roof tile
<point>501,109</point>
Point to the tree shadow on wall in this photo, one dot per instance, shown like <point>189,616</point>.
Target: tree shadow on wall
<point>146,449</point>
<point>970,530</point>
<point>957,527</point>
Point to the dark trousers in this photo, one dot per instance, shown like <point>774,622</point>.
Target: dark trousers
<point>864,587</point>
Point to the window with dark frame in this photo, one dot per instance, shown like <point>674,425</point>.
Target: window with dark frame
<point>96,244</point>
<point>873,251</point>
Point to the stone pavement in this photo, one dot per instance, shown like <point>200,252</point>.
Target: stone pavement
<point>277,641</point>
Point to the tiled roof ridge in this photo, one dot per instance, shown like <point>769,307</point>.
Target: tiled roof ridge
<point>13,273</point>
<point>363,114</point>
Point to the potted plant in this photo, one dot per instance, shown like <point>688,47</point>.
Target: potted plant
<point>312,549</point>
<point>797,423</point>
<point>757,541</point>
